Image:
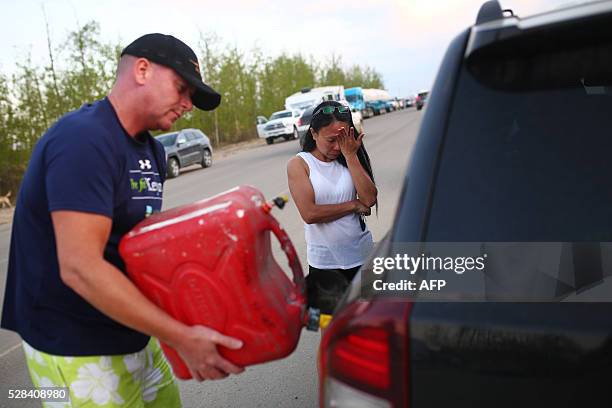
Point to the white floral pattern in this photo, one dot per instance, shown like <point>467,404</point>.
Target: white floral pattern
<point>45,382</point>
<point>153,377</point>
<point>135,364</point>
<point>33,354</point>
<point>98,383</point>
<point>107,381</point>
<point>140,365</point>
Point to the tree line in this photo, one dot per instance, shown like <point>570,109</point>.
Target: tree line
<point>251,84</point>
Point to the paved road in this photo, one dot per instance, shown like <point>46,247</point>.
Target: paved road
<point>290,382</point>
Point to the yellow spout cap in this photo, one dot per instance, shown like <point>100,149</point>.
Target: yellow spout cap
<point>280,201</point>
<point>324,320</point>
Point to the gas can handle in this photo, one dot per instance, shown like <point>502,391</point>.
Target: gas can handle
<point>289,249</point>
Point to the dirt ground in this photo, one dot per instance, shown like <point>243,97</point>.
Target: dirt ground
<point>229,150</point>
<point>6,214</point>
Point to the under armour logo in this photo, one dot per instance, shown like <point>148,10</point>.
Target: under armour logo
<point>145,164</point>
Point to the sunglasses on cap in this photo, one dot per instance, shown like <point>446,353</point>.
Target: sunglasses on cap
<point>329,109</point>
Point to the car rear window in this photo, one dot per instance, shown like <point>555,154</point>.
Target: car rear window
<point>167,139</point>
<point>530,165</point>
<point>279,115</point>
<point>306,116</point>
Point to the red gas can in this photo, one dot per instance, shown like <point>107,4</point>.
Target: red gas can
<point>210,263</point>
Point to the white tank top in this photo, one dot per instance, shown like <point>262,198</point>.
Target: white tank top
<point>340,243</point>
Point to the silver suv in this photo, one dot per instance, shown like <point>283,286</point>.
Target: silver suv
<point>186,147</point>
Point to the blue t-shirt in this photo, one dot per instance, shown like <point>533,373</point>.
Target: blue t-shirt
<point>85,162</point>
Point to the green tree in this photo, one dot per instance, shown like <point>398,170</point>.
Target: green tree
<point>281,77</point>
<point>372,79</point>
<point>332,73</point>
<point>35,97</point>
<point>251,84</point>
<point>92,71</point>
<point>10,156</point>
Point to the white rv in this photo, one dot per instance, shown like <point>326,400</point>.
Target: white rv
<point>308,97</point>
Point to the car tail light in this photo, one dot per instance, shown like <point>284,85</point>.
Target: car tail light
<point>364,356</point>
<point>299,122</point>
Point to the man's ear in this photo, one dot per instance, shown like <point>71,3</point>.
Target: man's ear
<point>313,133</point>
<point>142,70</point>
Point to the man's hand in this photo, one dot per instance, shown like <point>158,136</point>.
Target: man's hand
<point>199,351</point>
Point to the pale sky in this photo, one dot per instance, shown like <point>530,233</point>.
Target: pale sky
<point>404,40</point>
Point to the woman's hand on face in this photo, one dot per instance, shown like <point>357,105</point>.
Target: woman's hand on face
<point>348,144</point>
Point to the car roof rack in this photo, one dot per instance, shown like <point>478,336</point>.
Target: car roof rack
<point>489,11</point>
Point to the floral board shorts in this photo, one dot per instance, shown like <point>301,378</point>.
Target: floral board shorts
<point>142,379</point>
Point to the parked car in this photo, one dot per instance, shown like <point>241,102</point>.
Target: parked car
<point>501,157</point>
<point>356,116</point>
<point>184,148</point>
<point>389,106</point>
<point>304,123</point>
<point>281,124</point>
<point>261,122</point>
<point>420,99</point>
<point>375,100</point>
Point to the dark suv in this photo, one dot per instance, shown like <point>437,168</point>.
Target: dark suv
<point>186,147</point>
<point>514,153</point>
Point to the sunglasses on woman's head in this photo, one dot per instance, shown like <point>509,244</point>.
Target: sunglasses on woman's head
<point>329,109</point>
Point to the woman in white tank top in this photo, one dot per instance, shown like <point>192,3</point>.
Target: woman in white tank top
<point>332,184</point>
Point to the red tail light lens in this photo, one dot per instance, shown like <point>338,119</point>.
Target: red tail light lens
<point>362,356</point>
<point>299,122</point>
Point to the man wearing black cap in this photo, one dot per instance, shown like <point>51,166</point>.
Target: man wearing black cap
<point>85,326</point>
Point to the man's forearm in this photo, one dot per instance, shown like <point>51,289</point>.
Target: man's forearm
<point>111,292</point>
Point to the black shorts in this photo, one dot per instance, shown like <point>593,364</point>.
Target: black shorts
<point>325,287</point>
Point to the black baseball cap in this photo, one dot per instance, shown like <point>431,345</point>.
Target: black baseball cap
<point>173,53</point>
